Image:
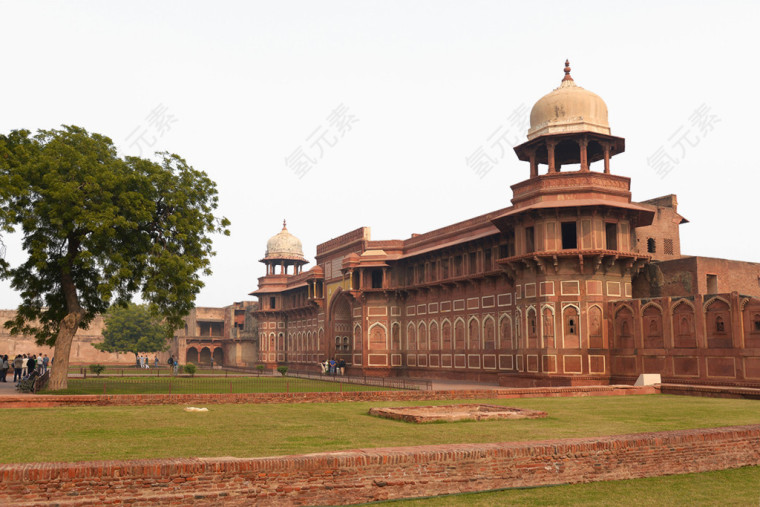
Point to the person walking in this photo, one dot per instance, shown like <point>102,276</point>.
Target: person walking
<point>155,360</point>
<point>45,362</point>
<point>342,366</point>
<point>25,362</point>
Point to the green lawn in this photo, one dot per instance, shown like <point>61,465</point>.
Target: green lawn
<point>95,433</point>
<point>740,486</point>
<point>188,385</point>
<point>162,370</point>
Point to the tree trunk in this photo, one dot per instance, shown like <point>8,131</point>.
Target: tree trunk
<point>59,378</point>
<point>60,371</point>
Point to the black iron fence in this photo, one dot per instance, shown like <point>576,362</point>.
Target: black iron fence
<point>293,382</point>
<point>384,382</point>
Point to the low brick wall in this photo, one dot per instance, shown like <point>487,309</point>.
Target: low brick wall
<point>27,400</point>
<point>750,393</point>
<point>366,475</point>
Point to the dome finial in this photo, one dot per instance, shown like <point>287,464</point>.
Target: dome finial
<point>567,77</point>
<point>284,225</point>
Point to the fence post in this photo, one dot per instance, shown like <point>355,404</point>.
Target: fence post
<point>170,387</point>
<point>340,384</point>
<point>230,387</point>
<point>104,387</point>
<point>287,386</point>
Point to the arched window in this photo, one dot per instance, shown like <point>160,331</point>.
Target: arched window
<point>446,336</point>
<point>720,326</point>
<point>651,245</point>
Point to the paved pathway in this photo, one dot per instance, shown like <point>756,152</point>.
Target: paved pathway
<point>8,387</point>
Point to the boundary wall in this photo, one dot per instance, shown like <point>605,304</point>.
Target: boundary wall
<point>366,475</point>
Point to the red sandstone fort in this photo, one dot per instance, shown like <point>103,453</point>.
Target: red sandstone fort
<point>574,283</point>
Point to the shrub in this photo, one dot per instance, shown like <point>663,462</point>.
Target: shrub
<point>97,369</point>
<point>260,368</point>
<point>190,369</point>
<point>283,370</point>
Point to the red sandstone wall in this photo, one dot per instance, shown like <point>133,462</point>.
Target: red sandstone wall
<point>82,349</point>
<point>679,338</point>
<point>347,477</point>
<point>688,276</point>
<point>665,226</point>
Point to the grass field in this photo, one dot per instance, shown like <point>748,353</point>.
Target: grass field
<point>161,371</point>
<point>209,385</point>
<point>740,486</point>
<point>96,433</point>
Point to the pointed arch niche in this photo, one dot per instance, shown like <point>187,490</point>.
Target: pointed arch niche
<point>377,337</point>
<point>571,323</point>
<point>489,333</point>
<point>505,333</point>
<point>548,326</point>
<point>435,342</point>
<point>595,327</point>
<point>651,325</point>
<point>624,328</point>
<point>684,335</point>
<point>718,324</point>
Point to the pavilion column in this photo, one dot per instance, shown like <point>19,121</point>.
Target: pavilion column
<point>583,145</point>
<point>533,164</point>
<point>550,156</point>
<point>606,158</point>
<point>361,279</point>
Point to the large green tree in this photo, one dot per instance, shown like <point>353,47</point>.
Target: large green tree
<point>133,328</point>
<point>97,229</point>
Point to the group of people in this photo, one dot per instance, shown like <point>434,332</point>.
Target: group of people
<point>333,367</point>
<point>24,365</point>
<point>173,363</point>
<point>142,362</point>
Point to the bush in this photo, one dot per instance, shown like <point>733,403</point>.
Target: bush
<point>260,368</point>
<point>97,369</point>
<point>190,369</point>
<point>283,370</point>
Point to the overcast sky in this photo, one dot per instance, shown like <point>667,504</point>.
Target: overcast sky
<point>395,108</point>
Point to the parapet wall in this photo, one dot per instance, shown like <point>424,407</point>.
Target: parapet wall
<point>365,475</point>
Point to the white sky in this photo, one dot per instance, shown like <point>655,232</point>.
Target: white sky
<point>427,82</point>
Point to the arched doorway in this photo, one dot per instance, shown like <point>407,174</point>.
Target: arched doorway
<point>218,357</point>
<point>191,356</point>
<point>205,357</point>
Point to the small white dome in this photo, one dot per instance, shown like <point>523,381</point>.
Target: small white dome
<point>284,245</point>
